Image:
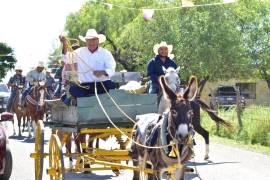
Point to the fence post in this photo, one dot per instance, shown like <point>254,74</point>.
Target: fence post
<point>238,107</point>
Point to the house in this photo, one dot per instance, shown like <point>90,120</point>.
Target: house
<point>255,91</point>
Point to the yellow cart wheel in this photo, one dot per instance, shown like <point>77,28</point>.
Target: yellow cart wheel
<point>56,161</point>
<point>39,150</point>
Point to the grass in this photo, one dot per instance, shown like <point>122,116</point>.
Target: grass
<point>255,134</point>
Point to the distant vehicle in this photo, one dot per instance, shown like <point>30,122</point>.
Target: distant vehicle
<point>225,96</point>
<point>5,153</point>
<point>4,96</point>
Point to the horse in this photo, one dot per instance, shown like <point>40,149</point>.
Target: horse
<point>35,104</point>
<point>179,130</point>
<point>173,81</point>
<point>19,111</point>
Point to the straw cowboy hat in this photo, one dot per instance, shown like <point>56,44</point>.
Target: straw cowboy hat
<point>162,44</point>
<point>92,33</point>
<point>40,64</point>
<point>18,68</point>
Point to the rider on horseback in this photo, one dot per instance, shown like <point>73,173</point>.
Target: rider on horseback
<point>16,81</point>
<point>154,67</point>
<point>32,77</point>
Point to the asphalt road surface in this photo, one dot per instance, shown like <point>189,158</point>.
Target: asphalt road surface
<point>226,163</point>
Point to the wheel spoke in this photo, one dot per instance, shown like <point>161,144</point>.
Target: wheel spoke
<point>56,160</point>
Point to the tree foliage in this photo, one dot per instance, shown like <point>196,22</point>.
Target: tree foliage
<point>216,42</point>
<point>7,60</point>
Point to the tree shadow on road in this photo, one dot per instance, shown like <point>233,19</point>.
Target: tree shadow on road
<point>208,162</point>
<point>77,176</point>
<point>25,139</point>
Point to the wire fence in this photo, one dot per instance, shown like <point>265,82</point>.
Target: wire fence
<point>255,124</point>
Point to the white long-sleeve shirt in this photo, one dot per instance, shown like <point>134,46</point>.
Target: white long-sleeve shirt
<point>87,62</point>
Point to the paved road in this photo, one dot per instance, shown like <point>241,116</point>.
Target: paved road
<point>226,163</point>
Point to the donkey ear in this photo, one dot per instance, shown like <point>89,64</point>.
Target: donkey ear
<point>164,69</point>
<point>192,89</point>
<point>166,90</point>
<point>177,69</point>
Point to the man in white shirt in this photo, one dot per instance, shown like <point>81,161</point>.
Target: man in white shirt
<point>93,64</point>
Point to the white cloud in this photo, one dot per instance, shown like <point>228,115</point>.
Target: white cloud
<point>31,27</point>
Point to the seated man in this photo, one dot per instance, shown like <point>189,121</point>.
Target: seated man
<point>154,67</point>
<point>94,64</point>
<point>50,84</point>
<point>14,82</point>
<point>33,76</point>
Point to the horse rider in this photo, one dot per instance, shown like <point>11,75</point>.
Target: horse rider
<point>17,80</point>
<point>94,64</point>
<point>50,83</point>
<point>34,76</point>
<point>58,75</point>
<point>154,67</point>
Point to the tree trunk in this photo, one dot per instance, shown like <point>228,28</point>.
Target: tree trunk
<point>266,77</point>
<point>239,107</point>
<point>117,55</point>
<point>201,86</point>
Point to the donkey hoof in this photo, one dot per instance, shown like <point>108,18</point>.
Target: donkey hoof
<point>206,157</point>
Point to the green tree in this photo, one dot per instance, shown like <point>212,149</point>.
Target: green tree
<point>7,60</point>
<point>253,19</point>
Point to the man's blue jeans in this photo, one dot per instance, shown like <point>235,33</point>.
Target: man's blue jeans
<point>11,99</point>
<point>154,88</point>
<point>25,93</point>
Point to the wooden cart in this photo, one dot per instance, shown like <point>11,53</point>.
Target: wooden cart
<point>89,118</point>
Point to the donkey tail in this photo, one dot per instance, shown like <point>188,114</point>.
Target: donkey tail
<point>214,116</point>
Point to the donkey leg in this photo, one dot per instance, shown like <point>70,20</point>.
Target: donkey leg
<point>133,152</point>
<point>68,148</point>
<point>14,132</point>
<point>34,128</point>
<point>205,134</point>
<point>23,125</point>
<point>19,118</point>
<point>29,129</point>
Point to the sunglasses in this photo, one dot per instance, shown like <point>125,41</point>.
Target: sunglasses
<point>19,70</point>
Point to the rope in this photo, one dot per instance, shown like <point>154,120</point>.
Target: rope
<point>195,167</point>
<point>123,133</point>
<point>162,9</point>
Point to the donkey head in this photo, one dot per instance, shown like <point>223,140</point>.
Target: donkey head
<point>172,78</point>
<point>180,112</point>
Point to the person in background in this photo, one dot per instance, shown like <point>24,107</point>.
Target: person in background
<point>50,84</point>
<point>154,67</point>
<point>35,75</point>
<point>58,75</point>
<point>16,81</point>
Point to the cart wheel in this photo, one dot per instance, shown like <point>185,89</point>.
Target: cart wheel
<point>56,160</point>
<point>39,150</point>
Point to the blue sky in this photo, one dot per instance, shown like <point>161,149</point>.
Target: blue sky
<point>31,27</point>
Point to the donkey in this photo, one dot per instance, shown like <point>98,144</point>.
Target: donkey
<point>173,81</point>
<point>177,122</point>
<point>35,104</point>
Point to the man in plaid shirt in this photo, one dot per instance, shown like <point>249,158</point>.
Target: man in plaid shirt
<point>16,81</point>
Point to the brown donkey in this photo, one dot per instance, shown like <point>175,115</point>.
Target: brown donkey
<point>178,129</point>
